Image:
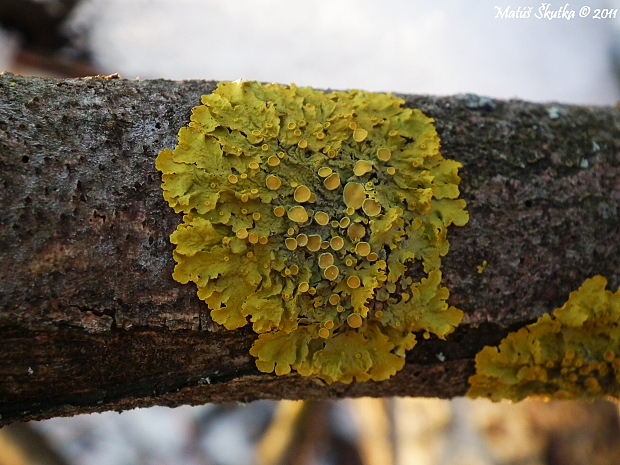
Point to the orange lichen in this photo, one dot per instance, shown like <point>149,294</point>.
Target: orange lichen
<point>292,224</point>
<point>570,355</point>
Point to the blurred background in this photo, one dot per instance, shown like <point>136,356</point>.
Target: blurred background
<point>409,46</point>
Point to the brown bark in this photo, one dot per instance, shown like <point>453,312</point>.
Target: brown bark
<point>91,320</point>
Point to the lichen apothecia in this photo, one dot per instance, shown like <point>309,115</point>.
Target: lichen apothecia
<point>303,212</point>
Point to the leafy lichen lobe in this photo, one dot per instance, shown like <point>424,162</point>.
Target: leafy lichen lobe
<point>570,355</point>
<point>303,212</point>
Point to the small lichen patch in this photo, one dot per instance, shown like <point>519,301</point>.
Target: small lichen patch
<point>303,212</point>
<point>574,354</point>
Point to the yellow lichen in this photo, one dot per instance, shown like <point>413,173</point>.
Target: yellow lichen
<point>331,272</point>
<point>302,194</point>
<point>362,167</point>
<point>371,207</point>
<point>354,195</point>
<point>332,181</point>
<point>384,154</point>
<point>356,231</point>
<point>570,355</point>
<point>336,243</point>
<point>321,218</point>
<point>279,211</point>
<point>298,214</point>
<point>377,196</point>
<point>324,171</point>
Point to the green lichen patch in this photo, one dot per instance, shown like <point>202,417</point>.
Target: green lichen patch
<point>302,212</point>
<point>573,354</point>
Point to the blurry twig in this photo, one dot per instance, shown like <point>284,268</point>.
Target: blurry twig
<point>27,62</point>
<point>280,434</point>
<point>45,45</point>
<point>374,430</point>
<point>20,444</point>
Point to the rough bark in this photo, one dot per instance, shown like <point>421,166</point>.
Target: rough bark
<point>91,320</point>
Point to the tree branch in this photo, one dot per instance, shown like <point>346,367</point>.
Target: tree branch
<point>91,320</point>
